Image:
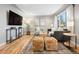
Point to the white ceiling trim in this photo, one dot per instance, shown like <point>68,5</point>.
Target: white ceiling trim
<point>40,9</point>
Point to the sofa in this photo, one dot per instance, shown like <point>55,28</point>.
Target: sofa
<point>60,37</point>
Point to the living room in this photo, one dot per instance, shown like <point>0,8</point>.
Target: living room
<point>39,29</point>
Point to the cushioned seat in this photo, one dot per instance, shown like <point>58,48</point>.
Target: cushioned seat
<point>51,43</point>
<point>38,43</point>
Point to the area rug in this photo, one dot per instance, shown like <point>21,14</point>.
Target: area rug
<point>61,50</point>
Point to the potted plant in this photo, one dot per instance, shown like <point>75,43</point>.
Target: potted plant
<point>28,29</point>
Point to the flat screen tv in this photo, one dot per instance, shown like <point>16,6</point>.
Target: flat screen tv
<point>14,19</point>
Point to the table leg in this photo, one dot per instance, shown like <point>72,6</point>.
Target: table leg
<point>75,42</point>
<point>69,43</point>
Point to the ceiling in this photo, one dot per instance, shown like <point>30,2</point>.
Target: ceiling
<point>39,9</point>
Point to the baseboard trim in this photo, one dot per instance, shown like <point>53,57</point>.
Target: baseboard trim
<point>74,43</point>
<point>2,44</point>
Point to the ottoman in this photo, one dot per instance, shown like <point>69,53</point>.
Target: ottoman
<point>38,43</point>
<point>51,43</point>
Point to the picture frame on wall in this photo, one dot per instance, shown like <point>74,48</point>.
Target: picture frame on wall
<point>61,19</point>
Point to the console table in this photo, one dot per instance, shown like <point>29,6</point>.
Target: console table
<point>10,34</point>
<point>19,32</point>
<point>72,35</point>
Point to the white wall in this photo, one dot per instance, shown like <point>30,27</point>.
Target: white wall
<point>44,22</point>
<point>29,20</point>
<point>55,22</point>
<point>4,8</point>
<point>74,20</point>
<point>77,21</point>
<point>70,19</point>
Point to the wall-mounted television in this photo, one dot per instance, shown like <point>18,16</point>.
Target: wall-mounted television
<point>14,18</point>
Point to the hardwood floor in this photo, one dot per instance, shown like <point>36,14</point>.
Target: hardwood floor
<point>16,46</point>
<point>61,50</point>
<point>24,46</point>
<point>72,47</point>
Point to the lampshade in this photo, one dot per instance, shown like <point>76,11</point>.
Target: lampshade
<point>51,25</point>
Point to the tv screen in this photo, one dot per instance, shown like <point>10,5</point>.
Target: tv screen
<point>14,19</point>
